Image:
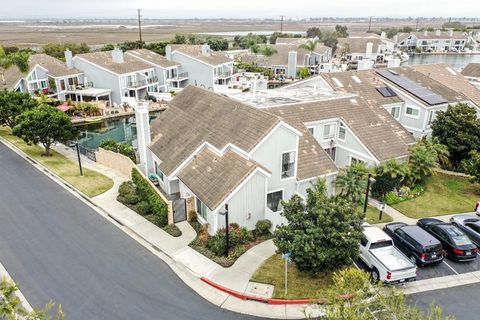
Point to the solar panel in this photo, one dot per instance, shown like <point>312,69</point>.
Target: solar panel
<point>412,87</point>
<point>386,91</point>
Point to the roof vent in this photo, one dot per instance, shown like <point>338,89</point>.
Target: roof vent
<point>337,82</point>
<point>354,101</point>
<point>356,79</point>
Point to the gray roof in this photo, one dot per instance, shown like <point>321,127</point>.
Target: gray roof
<point>371,123</point>
<point>212,178</point>
<point>472,70</point>
<point>212,58</point>
<point>10,78</point>
<point>427,82</point>
<point>55,67</point>
<point>152,57</point>
<point>358,45</point>
<point>104,59</point>
<point>196,116</point>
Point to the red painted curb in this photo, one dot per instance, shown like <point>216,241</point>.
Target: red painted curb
<point>271,301</point>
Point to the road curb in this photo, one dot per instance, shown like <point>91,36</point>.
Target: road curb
<point>25,304</point>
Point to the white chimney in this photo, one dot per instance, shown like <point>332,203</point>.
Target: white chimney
<point>450,32</point>
<point>292,64</point>
<point>425,33</point>
<point>168,52</point>
<point>395,38</point>
<point>117,56</point>
<point>383,35</point>
<point>369,50</point>
<point>206,50</point>
<point>143,136</point>
<point>68,58</point>
<point>438,32</point>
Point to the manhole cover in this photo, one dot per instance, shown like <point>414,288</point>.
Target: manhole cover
<point>260,289</point>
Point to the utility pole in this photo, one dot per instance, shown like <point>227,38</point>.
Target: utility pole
<point>140,27</point>
<point>418,20</point>
<point>370,24</point>
<point>281,24</point>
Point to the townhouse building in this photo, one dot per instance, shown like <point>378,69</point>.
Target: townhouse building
<point>432,41</point>
<point>364,47</point>
<point>201,66</point>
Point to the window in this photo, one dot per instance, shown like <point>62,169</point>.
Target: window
<point>273,200</point>
<point>342,131</point>
<point>363,241</point>
<point>288,164</point>
<point>329,131</point>
<point>412,112</point>
<point>312,130</point>
<point>395,112</point>
<point>202,209</point>
<point>431,116</point>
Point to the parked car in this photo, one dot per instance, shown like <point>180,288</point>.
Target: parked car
<point>470,225</point>
<point>385,261</point>
<point>417,244</point>
<point>454,241</point>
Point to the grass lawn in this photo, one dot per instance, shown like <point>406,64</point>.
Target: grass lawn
<point>443,195</point>
<point>301,285</point>
<point>373,214</point>
<point>92,183</point>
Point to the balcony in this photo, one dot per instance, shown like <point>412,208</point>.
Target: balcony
<point>223,74</point>
<point>141,83</point>
<point>80,86</point>
<point>179,77</point>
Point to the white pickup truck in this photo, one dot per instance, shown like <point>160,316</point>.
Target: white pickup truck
<point>386,262</point>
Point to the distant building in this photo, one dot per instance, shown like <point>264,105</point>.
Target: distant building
<point>364,47</point>
<point>432,41</point>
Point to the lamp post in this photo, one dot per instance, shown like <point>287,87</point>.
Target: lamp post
<point>371,180</point>
<point>79,160</point>
<point>226,228</point>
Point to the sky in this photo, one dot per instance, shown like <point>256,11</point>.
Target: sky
<point>294,9</point>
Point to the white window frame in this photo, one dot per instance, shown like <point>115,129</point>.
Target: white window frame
<point>279,208</point>
<point>311,129</point>
<point>334,124</point>
<point>399,108</point>
<point>294,164</point>
<point>341,125</point>
<point>205,219</point>
<point>411,115</point>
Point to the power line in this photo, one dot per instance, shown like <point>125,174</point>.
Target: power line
<point>140,27</point>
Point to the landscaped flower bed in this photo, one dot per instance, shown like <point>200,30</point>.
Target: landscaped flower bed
<point>240,240</point>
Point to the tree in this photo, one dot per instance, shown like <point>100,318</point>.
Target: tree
<point>12,104</point>
<point>330,39</point>
<point>11,306</point>
<point>471,165</point>
<point>157,47</point>
<point>371,302</point>
<point>303,72</point>
<point>341,31</point>
<point>389,176</point>
<point>10,58</point>
<point>458,128</point>
<point>314,32</point>
<point>217,44</point>
<point>107,47</point>
<point>57,50</point>
<point>268,51</point>
<point>424,157</point>
<point>322,233</point>
<point>310,45</point>
<point>353,181</point>
<point>179,38</point>
<point>131,45</point>
<point>455,25</point>
<point>45,125</point>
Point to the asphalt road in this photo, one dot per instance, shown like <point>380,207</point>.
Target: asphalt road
<point>461,302</point>
<point>57,248</point>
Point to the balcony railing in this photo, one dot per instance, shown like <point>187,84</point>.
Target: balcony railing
<point>80,86</point>
<point>141,83</point>
<point>179,77</point>
<point>223,74</point>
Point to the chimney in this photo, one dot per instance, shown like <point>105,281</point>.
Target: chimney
<point>369,50</point>
<point>117,55</point>
<point>168,52</point>
<point>395,38</point>
<point>383,35</point>
<point>438,32</point>
<point>450,32</point>
<point>143,137</point>
<point>68,58</point>
<point>292,64</point>
<point>425,33</point>
<point>205,50</point>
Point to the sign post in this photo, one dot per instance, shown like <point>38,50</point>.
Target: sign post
<point>286,257</point>
<point>381,206</point>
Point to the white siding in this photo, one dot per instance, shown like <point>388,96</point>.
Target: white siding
<point>199,74</point>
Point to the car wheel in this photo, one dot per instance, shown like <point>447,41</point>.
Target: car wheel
<point>413,259</point>
<point>375,276</point>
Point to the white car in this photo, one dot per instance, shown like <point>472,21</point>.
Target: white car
<point>386,262</point>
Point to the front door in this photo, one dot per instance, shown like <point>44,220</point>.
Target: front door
<point>179,210</point>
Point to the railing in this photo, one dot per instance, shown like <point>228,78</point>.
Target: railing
<point>80,86</point>
<point>223,74</point>
<point>89,153</point>
<point>141,83</point>
<point>180,76</point>
<point>152,80</point>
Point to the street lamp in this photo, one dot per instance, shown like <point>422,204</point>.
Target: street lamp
<point>225,213</point>
<point>79,159</point>
<point>371,180</point>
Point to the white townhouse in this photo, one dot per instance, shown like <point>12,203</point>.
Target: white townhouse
<point>364,47</point>
<point>210,150</point>
<point>432,41</point>
<point>56,79</point>
<point>128,77</point>
<point>201,66</point>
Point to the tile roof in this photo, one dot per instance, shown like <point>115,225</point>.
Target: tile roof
<point>372,124</point>
<point>104,59</point>
<point>472,70</point>
<point>454,80</point>
<point>152,57</point>
<point>425,81</point>
<point>196,116</point>
<point>213,58</point>
<point>55,67</point>
<point>212,178</point>
<point>10,78</point>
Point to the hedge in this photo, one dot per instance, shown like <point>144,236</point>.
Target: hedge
<point>145,190</point>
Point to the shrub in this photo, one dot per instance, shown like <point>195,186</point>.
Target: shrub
<point>142,208</point>
<point>192,216</point>
<point>127,187</point>
<point>262,227</point>
<point>217,243</point>
<point>172,230</point>
<point>122,148</point>
<point>127,194</point>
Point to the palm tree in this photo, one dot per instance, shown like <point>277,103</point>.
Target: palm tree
<point>310,45</point>
<point>353,181</point>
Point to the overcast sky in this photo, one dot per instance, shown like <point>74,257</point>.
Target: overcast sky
<point>18,9</point>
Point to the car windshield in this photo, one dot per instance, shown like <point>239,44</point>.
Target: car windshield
<point>381,244</point>
<point>436,248</point>
<point>461,240</point>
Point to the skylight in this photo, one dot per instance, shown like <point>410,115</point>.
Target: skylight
<point>451,71</point>
<point>337,82</point>
<point>356,79</point>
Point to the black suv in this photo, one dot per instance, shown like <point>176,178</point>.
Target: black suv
<point>417,244</point>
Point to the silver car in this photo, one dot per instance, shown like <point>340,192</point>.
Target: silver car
<point>469,224</point>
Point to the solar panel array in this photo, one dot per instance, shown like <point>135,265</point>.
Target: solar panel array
<point>414,88</point>
<point>386,91</point>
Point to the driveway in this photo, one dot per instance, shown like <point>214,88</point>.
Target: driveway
<point>56,247</point>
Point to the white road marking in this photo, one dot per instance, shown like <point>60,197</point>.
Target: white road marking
<point>450,267</point>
